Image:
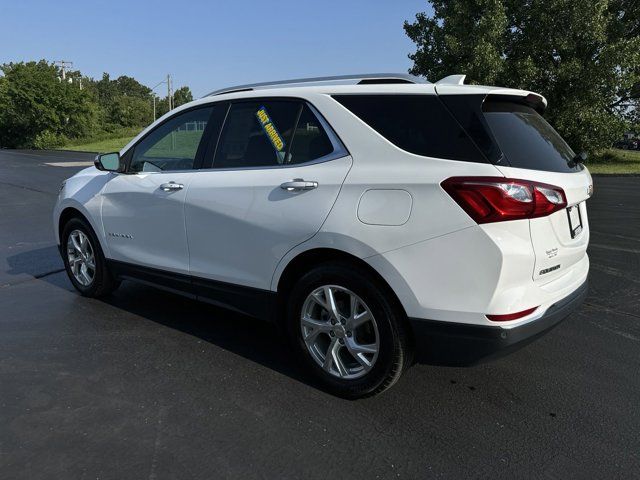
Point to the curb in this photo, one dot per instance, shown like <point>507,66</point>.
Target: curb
<point>71,151</point>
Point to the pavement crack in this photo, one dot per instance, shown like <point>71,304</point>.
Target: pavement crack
<point>618,249</point>
<point>615,331</point>
<point>622,237</point>
<point>27,188</point>
<point>157,444</point>
<point>614,272</point>
<point>613,310</point>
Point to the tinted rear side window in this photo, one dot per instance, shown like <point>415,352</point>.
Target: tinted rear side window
<point>256,134</point>
<point>419,124</point>
<point>310,141</point>
<point>526,139</point>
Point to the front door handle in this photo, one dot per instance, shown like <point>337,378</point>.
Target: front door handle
<point>171,187</point>
<point>298,185</point>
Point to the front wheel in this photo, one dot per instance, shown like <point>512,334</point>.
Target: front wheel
<point>347,331</point>
<point>84,261</point>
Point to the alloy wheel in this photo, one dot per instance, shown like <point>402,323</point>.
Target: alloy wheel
<point>340,332</point>
<point>80,255</point>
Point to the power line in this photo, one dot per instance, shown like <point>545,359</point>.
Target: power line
<point>169,82</point>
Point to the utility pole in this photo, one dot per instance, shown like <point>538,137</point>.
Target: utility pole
<point>169,94</point>
<point>64,64</point>
<point>154,96</point>
<point>170,100</point>
<point>169,97</point>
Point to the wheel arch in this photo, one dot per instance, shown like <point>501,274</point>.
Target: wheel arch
<point>71,211</point>
<point>305,261</point>
<point>67,214</point>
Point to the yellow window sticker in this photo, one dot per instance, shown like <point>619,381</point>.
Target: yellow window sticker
<point>270,130</point>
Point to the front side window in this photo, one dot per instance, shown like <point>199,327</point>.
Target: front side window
<point>173,145</point>
<point>267,133</point>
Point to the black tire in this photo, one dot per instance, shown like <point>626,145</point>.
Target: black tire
<point>394,354</point>
<point>103,281</point>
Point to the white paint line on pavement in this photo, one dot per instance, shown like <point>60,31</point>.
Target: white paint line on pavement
<point>69,164</point>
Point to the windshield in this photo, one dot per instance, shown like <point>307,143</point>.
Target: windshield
<point>526,139</point>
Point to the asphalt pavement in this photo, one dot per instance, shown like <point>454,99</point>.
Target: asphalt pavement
<point>146,384</point>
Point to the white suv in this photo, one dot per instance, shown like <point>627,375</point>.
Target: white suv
<point>378,219</point>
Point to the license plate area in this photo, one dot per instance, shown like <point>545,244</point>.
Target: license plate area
<point>575,220</point>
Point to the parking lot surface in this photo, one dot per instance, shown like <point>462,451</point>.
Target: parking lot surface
<point>146,384</point>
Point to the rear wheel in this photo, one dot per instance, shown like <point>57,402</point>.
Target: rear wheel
<point>84,261</point>
<point>347,331</point>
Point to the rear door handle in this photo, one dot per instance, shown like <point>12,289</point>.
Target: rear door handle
<point>171,186</point>
<point>298,185</point>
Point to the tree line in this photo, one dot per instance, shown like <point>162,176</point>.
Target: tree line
<point>583,56</point>
<point>38,109</point>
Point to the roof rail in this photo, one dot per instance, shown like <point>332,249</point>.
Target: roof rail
<point>367,78</point>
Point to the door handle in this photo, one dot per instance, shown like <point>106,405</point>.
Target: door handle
<point>298,185</point>
<point>171,187</point>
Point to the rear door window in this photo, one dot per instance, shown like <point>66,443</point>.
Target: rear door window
<point>269,133</point>
<point>310,141</point>
<point>419,124</point>
<point>526,138</point>
<point>257,134</point>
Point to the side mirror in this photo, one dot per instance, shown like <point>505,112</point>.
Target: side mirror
<point>109,162</point>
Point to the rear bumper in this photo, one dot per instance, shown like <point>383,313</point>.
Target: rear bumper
<point>458,344</point>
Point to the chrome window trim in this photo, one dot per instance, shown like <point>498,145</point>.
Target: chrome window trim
<point>327,158</point>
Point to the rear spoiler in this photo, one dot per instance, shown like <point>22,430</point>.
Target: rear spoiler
<point>454,85</point>
<point>533,100</point>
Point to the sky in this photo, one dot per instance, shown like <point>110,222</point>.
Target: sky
<point>208,45</point>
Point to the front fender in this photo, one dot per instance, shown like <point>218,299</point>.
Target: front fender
<point>82,193</point>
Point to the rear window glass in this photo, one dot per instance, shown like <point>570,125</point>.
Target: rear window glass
<point>419,124</point>
<point>526,138</point>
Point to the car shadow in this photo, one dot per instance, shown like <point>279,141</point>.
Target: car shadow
<point>37,262</point>
<point>256,340</point>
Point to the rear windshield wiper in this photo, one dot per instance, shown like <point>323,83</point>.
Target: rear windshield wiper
<point>578,159</point>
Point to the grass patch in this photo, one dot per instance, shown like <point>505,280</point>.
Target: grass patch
<point>101,146</point>
<point>180,144</point>
<point>103,142</point>
<point>615,161</point>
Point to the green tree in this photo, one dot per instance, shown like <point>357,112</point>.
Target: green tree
<point>181,96</point>
<point>39,109</point>
<point>129,111</point>
<point>123,102</point>
<point>584,57</point>
<point>131,87</point>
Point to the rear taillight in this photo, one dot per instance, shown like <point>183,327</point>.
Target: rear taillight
<point>497,199</point>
